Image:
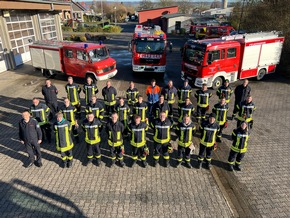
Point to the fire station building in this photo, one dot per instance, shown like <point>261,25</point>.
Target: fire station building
<point>22,22</point>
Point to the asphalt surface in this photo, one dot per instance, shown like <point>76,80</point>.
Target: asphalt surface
<point>261,189</point>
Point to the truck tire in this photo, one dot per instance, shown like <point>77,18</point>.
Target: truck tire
<point>217,83</point>
<point>261,74</point>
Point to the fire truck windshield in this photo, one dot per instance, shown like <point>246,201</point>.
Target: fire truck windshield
<point>150,47</point>
<point>194,55</point>
<point>98,54</point>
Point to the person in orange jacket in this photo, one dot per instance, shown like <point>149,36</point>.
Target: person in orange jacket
<point>152,92</point>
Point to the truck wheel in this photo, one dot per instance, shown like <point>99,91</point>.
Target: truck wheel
<point>261,74</point>
<point>217,83</point>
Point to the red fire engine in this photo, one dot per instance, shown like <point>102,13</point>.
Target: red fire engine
<point>148,48</point>
<point>212,61</point>
<point>209,32</point>
<point>73,59</point>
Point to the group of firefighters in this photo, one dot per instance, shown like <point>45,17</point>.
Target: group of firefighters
<point>133,118</point>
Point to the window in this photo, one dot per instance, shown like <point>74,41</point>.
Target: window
<point>232,52</point>
<point>223,54</point>
<point>47,26</point>
<point>215,55</point>
<point>69,53</point>
<point>81,55</point>
<point>21,32</point>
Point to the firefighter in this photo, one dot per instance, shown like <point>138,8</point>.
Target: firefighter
<point>109,93</point>
<point>69,113</point>
<point>208,129</point>
<point>41,112</point>
<point>241,93</point>
<point>160,106</point>
<point>49,93</point>
<point>92,128</point>
<point>185,131</point>
<point>140,108</point>
<point>225,91</point>
<point>245,112</point>
<point>221,110</point>
<point>31,136</point>
<point>152,93</point>
<point>96,108</point>
<point>161,127</point>
<point>186,108</point>
<point>240,138</point>
<point>202,95</point>
<point>169,92</point>
<point>132,95</point>
<point>124,114</point>
<point>115,130</point>
<point>64,142</point>
<point>90,89</point>
<point>73,94</point>
<point>138,140</point>
<point>184,92</point>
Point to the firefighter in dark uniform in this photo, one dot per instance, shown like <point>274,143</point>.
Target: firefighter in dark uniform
<point>140,108</point>
<point>41,112</point>
<point>92,128</point>
<point>69,113</point>
<point>239,147</point>
<point>160,106</point>
<point>132,95</point>
<point>138,140</point>
<point>115,130</point>
<point>31,136</point>
<point>109,93</point>
<point>186,108</point>
<point>124,114</point>
<point>169,92</point>
<point>245,112</point>
<point>90,89</point>
<point>161,127</point>
<point>73,94</point>
<point>185,131</point>
<point>184,92</point>
<point>221,110</point>
<point>208,129</point>
<point>202,95</point>
<point>63,140</point>
<point>241,93</point>
<point>96,108</point>
<point>50,92</point>
<point>225,91</point>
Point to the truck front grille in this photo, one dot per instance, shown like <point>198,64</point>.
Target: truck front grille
<point>149,61</point>
<point>190,71</point>
<point>107,69</point>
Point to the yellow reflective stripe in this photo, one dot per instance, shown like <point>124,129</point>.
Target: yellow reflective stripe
<point>118,135</point>
<point>115,144</point>
<point>134,157</point>
<point>98,156</point>
<point>156,157</point>
<point>166,157</point>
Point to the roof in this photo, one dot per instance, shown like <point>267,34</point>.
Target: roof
<point>173,15</point>
<point>153,9</point>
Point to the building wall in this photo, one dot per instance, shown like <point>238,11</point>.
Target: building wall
<point>171,22</point>
<point>19,28</point>
<point>155,15</point>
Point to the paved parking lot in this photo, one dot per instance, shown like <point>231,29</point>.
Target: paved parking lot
<point>261,189</point>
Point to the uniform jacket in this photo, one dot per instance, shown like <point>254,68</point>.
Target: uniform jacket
<point>50,94</point>
<point>161,130</point>
<point>69,113</point>
<point>153,94</point>
<point>169,94</point>
<point>158,108</point>
<point>30,131</point>
<point>245,111</point>
<point>140,109</point>
<point>185,133</point>
<point>138,134</point>
<point>202,98</point>
<point>185,109</point>
<point>225,92</point>
<point>96,108</point>
<point>63,137</point>
<point>89,91</point>
<point>131,95</point>
<point>221,113</point>
<point>92,131</point>
<point>40,112</point>
<point>123,112</point>
<point>241,93</point>
<point>73,93</point>
<point>240,140</point>
<point>115,133</point>
<point>184,92</point>
<point>208,133</point>
<point>109,95</point>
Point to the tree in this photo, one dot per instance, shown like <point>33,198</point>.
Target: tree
<point>165,3</point>
<point>185,6</point>
<point>216,4</point>
<point>146,4</point>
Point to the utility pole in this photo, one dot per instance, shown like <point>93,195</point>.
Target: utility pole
<point>115,8</point>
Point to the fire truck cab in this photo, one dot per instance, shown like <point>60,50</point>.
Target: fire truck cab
<point>148,47</point>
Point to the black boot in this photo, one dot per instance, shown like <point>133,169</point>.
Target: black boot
<point>89,162</point>
<point>144,162</point>
<point>69,164</point>
<point>231,167</point>
<point>188,165</point>
<point>122,164</point>
<point>63,164</point>
<point>218,139</point>
<point>208,164</point>
<point>99,162</point>
<point>238,167</point>
<point>113,163</point>
<point>199,163</point>
<point>178,163</point>
<point>155,163</point>
<point>133,163</point>
<point>166,163</point>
